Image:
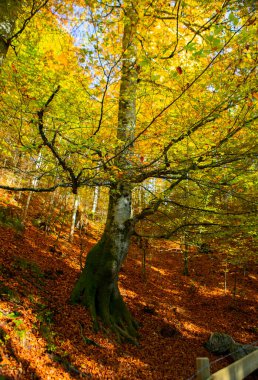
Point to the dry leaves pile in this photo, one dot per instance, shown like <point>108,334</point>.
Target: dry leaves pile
<point>42,336</point>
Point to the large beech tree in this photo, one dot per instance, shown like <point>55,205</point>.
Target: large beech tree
<point>164,91</point>
<point>97,286</point>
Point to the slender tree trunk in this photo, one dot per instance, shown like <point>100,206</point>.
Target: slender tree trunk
<point>97,286</point>
<point>74,214</point>
<point>144,246</point>
<point>225,275</point>
<point>186,261</point>
<point>95,201</point>
<point>34,184</point>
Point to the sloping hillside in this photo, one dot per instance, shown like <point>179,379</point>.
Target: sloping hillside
<point>43,336</point>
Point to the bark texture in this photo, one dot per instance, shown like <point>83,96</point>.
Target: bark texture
<point>97,287</point>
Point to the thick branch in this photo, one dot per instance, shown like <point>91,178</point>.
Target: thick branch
<point>28,19</point>
<point>34,189</point>
<point>182,226</point>
<point>49,144</point>
<point>154,205</point>
<point>208,210</point>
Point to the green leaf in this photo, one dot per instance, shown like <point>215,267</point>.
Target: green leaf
<point>191,47</point>
<point>233,18</point>
<point>144,62</point>
<point>199,53</point>
<point>215,42</point>
<point>14,314</point>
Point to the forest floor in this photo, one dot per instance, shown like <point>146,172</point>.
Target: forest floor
<point>43,336</point>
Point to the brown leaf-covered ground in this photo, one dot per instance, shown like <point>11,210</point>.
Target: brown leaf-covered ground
<point>43,336</point>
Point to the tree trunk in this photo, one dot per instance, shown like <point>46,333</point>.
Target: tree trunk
<point>95,202</point>
<point>74,214</point>
<point>97,286</point>
<point>34,184</point>
<point>8,14</point>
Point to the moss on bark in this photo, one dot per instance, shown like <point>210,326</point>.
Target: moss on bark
<point>97,289</point>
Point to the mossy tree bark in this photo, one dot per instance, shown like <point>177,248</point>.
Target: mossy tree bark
<point>97,286</point>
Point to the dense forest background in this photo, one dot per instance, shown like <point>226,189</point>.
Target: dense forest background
<point>128,178</point>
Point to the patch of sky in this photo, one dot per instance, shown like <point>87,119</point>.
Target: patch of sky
<point>88,31</point>
<point>211,88</point>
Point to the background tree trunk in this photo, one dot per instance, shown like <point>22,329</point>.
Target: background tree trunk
<point>74,214</point>
<point>34,184</point>
<point>97,287</point>
<point>95,202</point>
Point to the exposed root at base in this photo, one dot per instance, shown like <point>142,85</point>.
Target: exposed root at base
<point>122,325</point>
<point>110,313</point>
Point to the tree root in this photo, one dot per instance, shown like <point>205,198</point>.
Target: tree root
<point>109,312</point>
<point>97,289</point>
<point>119,322</point>
<point>87,340</point>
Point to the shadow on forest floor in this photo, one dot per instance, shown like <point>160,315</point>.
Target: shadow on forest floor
<point>176,313</point>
